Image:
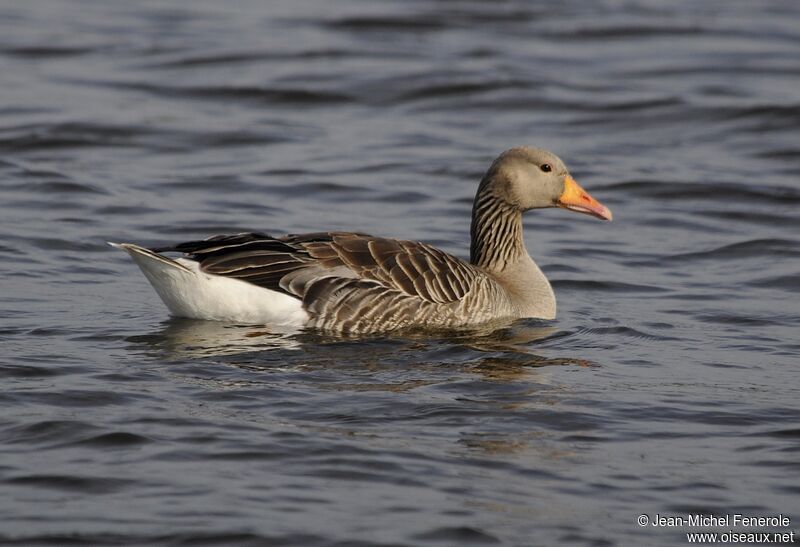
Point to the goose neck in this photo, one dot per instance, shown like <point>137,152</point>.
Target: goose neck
<point>496,233</point>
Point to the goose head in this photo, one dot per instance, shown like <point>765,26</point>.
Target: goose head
<point>533,178</point>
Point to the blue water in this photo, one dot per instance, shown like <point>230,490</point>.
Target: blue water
<point>667,385</point>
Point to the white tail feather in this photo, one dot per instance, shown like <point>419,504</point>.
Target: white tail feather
<point>189,292</point>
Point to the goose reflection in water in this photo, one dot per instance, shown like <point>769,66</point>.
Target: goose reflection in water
<point>414,379</point>
<point>191,338</point>
<point>501,354</point>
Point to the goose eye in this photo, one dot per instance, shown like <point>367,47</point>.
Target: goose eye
<point>545,167</point>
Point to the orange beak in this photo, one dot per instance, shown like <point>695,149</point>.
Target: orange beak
<point>576,198</point>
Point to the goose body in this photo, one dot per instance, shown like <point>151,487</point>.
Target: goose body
<point>355,283</point>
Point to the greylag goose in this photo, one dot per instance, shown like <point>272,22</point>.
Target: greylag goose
<point>355,283</point>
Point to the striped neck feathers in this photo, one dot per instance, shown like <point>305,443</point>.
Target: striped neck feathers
<point>496,231</point>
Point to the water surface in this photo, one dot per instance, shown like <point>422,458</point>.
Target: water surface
<point>667,385</point>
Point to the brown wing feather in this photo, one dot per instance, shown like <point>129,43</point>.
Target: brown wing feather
<point>415,269</point>
<point>308,265</point>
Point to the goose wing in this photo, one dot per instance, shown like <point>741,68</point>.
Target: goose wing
<point>309,265</point>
